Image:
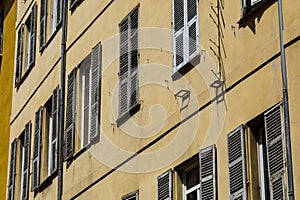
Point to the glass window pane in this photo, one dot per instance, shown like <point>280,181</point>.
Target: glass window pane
<point>192,195</point>
<point>192,178</point>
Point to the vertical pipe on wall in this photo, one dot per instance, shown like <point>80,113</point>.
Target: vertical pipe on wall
<point>286,106</point>
<point>62,100</point>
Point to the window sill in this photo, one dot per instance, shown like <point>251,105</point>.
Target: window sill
<point>125,116</point>
<point>178,73</point>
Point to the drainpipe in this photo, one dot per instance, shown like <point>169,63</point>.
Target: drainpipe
<point>62,100</point>
<point>286,107</point>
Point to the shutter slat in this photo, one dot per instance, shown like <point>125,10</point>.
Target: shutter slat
<point>275,152</point>
<point>237,164</point>
<point>134,20</point>
<point>164,186</point>
<point>55,129</point>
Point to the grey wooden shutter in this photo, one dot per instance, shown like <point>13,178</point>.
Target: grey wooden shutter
<point>123,73</point>
<point>192,28</point>
<point>19,57</point>
<point>58,12</point>
<point>55,129</point>
<point>25,174</point>
<point>134,21</point>
<point>95,92</point>
<point>164,186</point>
<point>12,170</point>
<point>70,115</point>
<point>43,22</point>
<point>32,35</point>
<point>37,150</point>
<point>275,152</point>
<point>237,164</point>
<point>178,33</point>
<point>207,162</point>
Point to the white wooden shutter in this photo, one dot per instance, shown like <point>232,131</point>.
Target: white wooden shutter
<point>55,130</point>
<point>237,164</point>
<point>207,162</point>
<point>178,33</point>
<point>123,73</point>
<point>32,35</point>
<point>134,21</point>
<point>275,152</point>
<point>164,186</point>
<point>19,57</point>
<point>70,116</point>
<point>58,12</point>
<point>37,150</point>
<point>12,170</point>
<point>25,173</point>
<point>95,92</point>
<point>192,29</point>
<point>43,22</point>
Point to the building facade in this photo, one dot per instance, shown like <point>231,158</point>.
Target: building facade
<point>8,13</point>
<point>174,99</point>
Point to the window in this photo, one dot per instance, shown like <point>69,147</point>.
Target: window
<point>131,196</point>
<point>263,165</point>
<point>12,170</point>
<point>248,4</point>
<point>191,183</point>
<point>26,45</point>
<point>185,32</point>
<point>128,74</point>
<point>50,19</point>
<point>89,105</point>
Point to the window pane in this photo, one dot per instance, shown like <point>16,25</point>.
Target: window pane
<point>192,195</point>
<point>192,177</point>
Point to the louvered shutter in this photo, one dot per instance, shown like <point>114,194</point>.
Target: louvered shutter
<point>70,115</point>
<point>95,92</point>
<point>43,22</point>
<point>55,129</point>
<point>32,35</point>
<point>26,164</point>
<point>207,162</point>
<point>237,164</point>
<point>12,170</point>
<point>164,186</point>
<point>58,12</point>
<point>178,33</point>
<point>275,152</point>
<point>123,73</point>
<point>134,21</point>
<point>192,29</point>
<point>19,56</point>
<point>37,150</point>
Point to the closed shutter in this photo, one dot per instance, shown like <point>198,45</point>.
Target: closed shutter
<point>12,170</point>
<point>55,130</point>
<point>164,186</point>
<point>58,12</point>
<point>275,152</point>
<point>37,150</point>
<point>134,22</point>
<point>43,22</point>
<point>207,161</point>
<point>237,164</point>
<point>19,56</point>
<point>192,28</point>
<point>70,116</point>
<point>123,74</point>
<point>25,174</point>
<point>95,92</point>
<point>178,32</point>
<point>32,35</point>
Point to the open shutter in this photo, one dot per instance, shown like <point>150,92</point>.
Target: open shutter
<point>55,129</point>
<point>95,92</point>
<point>19,57</point>
<point>32,35</point>
<point>237,164</point>
<point>178,33</point>
<point>37,150</point>
<point>43,22</point>
<point>58,12</point>
<point>12,170</point>
<point>192,29</point>
<point>25,174</point>
<point>134,21</point>
<point>123,73</point>
<point>70,116</point>
<point>164,186</point>
<point>275,152</point>
<point>207,161</point>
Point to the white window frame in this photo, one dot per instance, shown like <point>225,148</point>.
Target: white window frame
<point>130,195</point>
<point>22,166</point>
<point>50,132</point>
<point>196,187</point>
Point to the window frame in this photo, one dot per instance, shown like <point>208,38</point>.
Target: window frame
<point>196,187</point>
<point>131,195</point>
